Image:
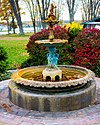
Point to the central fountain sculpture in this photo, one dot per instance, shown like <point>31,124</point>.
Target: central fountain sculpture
<point>53,88</point>
<point>52,73</point>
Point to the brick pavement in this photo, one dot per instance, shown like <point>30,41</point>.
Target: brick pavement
<point>18,116</point>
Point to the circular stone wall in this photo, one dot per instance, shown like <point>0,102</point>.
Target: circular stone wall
<point>52,102</point>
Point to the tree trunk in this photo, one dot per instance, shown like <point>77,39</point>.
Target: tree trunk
<point>8,26</point>
<point>71,18</point>
<point>33,18</point>
<point>33,22</point>
<point>19,22</point>
<point>13,25</point>
<point>91,9</point>
<point>16,10</point>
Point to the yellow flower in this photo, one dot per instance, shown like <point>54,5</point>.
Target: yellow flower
<point>73,25</point>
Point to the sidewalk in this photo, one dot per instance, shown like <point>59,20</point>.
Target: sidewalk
<point>18,116</point>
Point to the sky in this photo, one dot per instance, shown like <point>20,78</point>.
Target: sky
<point>64,15</point>
<point>77,16</point>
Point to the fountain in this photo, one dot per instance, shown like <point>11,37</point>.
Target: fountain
<point>53,88</point>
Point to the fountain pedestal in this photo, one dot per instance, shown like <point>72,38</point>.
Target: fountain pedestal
<point>52,74</point>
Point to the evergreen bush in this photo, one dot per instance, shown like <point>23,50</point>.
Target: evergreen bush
<point>4,74</point>
<point>3,60</point>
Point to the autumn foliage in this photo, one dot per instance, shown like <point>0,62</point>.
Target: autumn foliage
<point>87,49</point>
<point>5,10</point>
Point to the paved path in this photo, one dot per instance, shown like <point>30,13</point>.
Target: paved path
<point>18,116</point>
<point>14,38</point>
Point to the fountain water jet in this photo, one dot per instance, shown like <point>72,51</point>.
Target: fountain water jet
<point>52,88</point>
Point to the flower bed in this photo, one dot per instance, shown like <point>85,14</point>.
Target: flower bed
<point>87,49</point>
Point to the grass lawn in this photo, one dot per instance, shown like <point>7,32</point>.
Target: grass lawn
<point>15,49</point>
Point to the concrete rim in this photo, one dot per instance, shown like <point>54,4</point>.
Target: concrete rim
<point>18,79</point>
<point>52,102</point>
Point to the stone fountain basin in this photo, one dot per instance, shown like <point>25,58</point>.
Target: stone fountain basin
<point>26,77</point>
<point>52,96</point>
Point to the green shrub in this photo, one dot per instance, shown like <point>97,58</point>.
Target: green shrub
<point>87,49</point>
<point>3,60</point>
<point>37,53</point>
<point>5,76</point>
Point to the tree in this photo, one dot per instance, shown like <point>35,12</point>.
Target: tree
<point>72,8</point>
<point>90,9</point>
<point>43,6</point>
<point>59,8</point>
<point>94,8</point>
<point>5,12</point>
<point>31,7</point>
<point>13,24</point>
<point>16,10</point>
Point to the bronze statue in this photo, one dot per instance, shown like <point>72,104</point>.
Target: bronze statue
<point>51,20</point>
<point>51,14</point>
